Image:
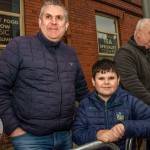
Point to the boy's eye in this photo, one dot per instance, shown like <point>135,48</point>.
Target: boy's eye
<point>111,78</point>
<point>101,78</point>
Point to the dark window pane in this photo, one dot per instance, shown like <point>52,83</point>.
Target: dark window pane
<point>10,6</point>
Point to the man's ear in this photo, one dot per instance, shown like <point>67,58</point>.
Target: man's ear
<point>93,81</point>
<point>138,32</point>
<point>67,25</point>
<point>39,21</point>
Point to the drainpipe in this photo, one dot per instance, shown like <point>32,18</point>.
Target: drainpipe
<point>146,8</point>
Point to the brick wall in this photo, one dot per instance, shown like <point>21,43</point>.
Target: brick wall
<point>83,26</point>
<point>32,10</point>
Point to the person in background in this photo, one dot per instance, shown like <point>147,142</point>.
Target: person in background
<point>133,62</point>
<point>45,77</point>
<point>110,113</point>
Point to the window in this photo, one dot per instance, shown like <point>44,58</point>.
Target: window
<point>107,36</point>
<point>11,20</point>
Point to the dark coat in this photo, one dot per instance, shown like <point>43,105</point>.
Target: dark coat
<point>133,64</point>
<point>45,79</point>
<point>94,114</point>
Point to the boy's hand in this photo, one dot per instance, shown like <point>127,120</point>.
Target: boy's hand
<point>119,130</point>
<point>107,136</point>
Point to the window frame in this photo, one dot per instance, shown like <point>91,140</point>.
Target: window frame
<point>101,31</point>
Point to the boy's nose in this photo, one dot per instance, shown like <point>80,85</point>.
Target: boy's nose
<point>106,81</point>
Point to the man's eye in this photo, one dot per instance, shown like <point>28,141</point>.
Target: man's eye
<point>59,17</point>
<point>47,16</point>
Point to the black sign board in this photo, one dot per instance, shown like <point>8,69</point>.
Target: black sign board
<point>107,43</point>
<point>9,28</point>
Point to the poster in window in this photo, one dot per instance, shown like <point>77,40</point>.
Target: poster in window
<point>9,28</point>
<point>107,43</point>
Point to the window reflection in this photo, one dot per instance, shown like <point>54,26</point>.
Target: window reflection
<point>105,24</point>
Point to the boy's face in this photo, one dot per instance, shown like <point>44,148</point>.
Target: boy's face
<point>106,84</point>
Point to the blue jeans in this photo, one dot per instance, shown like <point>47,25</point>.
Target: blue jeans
<point>60,140</point>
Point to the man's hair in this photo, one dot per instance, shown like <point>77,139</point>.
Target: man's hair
<point>103,66</point>
<point>55,3</point>
<point>141,24</point>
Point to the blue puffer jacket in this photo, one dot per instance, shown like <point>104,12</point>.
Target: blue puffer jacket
<point>45,79</point>
<point>94,114</point>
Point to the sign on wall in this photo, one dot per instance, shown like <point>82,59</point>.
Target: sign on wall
<point>9,28</point>
<point>107,43</point>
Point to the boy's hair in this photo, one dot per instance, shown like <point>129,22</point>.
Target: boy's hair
<point>104,66</point>
<point>55,3</point>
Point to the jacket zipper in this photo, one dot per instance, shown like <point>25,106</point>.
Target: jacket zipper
<point>106,115</point>
<point>60,88</point>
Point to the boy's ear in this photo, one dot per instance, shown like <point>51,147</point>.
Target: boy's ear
<point>93,81</point>
<point>118,80</point>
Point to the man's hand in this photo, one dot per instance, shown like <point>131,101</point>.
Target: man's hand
<point>17,132</point>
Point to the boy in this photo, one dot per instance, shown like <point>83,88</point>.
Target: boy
<point>110,114</point>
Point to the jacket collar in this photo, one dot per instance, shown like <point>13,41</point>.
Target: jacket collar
<point>47,42</point>
<point>114,100</point>
<point>142,48</point>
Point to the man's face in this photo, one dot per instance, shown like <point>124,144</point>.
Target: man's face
<point>53,23</point>
<point>144,36</point>
<point>106,84</point>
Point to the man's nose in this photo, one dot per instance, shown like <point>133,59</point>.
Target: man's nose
<point>53,20</point>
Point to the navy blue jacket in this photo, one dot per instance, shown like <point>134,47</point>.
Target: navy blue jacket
<point>94,114</point>
<point>45,79</point>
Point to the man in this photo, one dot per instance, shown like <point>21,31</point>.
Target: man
<point>45,77</point>
<point>133,61</point>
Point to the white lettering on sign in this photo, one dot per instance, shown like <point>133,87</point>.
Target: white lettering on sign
<point>4,26</point>
<point>4,32</point>
<point>10,21</point>
<point>5,39</point>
